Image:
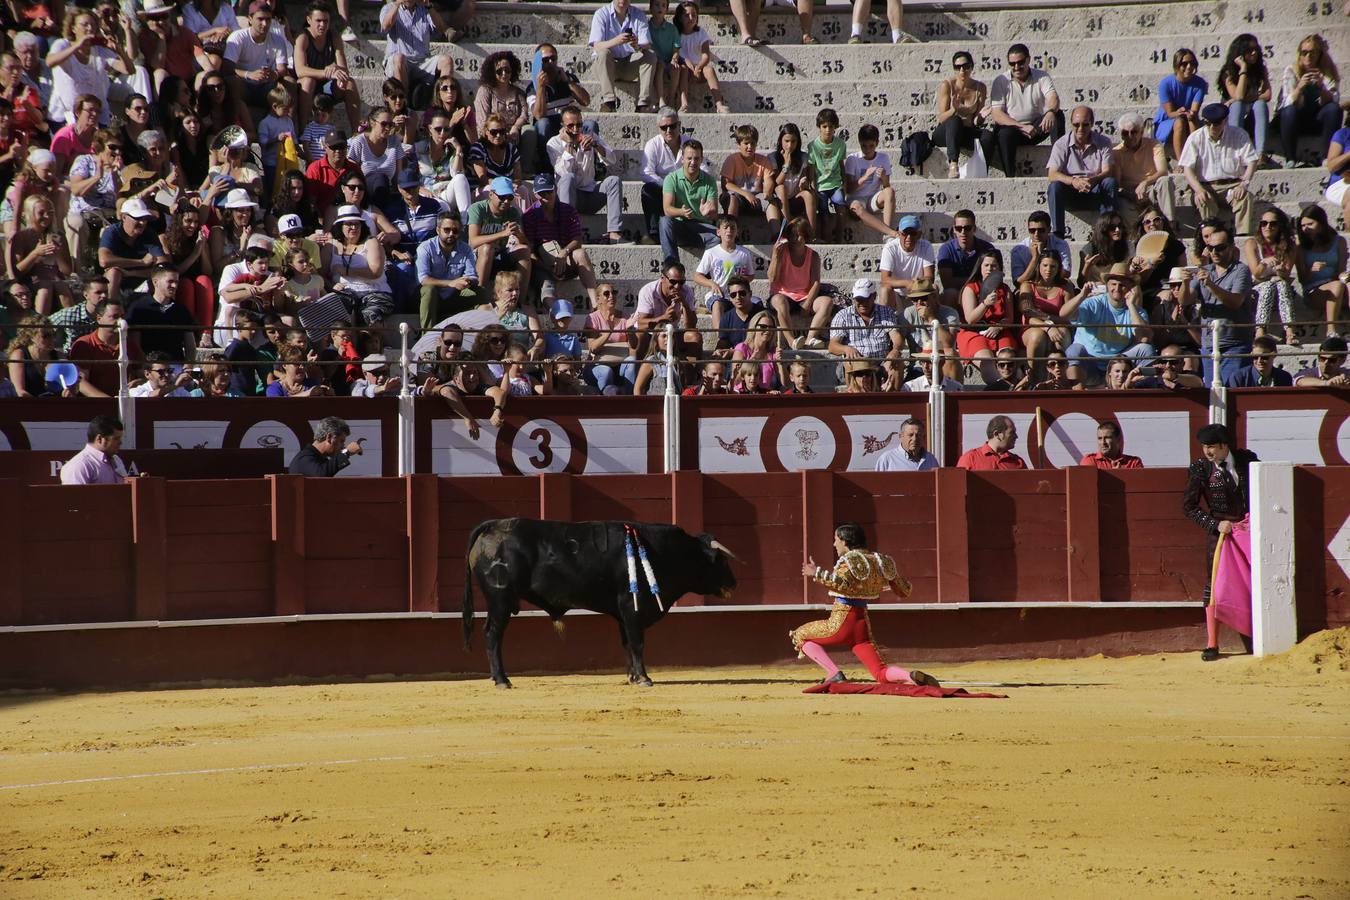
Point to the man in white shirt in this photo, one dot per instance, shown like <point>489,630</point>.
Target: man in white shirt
<point>923,382</point>
<point>161,380</point>
<point>660,157</point>
<point>623,51</point>
<point>259,58</point>
<point>1025,110</point>
<point>905,259</point>
<point>908,455</point>
<point>573,153</point>
<point>1217,163</point>
<point>97,463</point>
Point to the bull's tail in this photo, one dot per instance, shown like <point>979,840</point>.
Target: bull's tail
<point>467,613</point>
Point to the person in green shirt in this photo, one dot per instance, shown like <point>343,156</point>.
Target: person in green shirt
<point>826,156</point>
<point>666,46</point>
<point>689,201</point>
<point>495,233</point>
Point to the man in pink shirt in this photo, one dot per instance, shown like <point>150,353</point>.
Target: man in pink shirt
<point>95,463</point>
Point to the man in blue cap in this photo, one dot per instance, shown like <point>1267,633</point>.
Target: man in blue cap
<point>495,234</point>
<point>906,259</point>
<point>553,230</point>
<point>414,215</point>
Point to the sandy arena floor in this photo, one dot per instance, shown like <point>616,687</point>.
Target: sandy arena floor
<point>1149,776</point>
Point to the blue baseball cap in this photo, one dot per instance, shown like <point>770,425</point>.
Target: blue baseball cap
<point>502,186</point>
<point>409,177</point>
<point>908,222</point>
<point>543,183</point>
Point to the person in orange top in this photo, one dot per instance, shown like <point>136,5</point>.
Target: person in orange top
<point>995,453</point>
<point>1111,450</point>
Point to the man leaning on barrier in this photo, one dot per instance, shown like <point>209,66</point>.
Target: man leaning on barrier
<point>97,462</point>
<point>327,455</point>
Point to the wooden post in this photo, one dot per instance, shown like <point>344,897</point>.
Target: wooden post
<point>150,537</point>
<point>555,496</point>
<point>422,502</point>
<point>12,498</point>
<point>1083,532</point>
<point>817,522</point>
<point>686,500</point>
<point>953,538</point>
<point>288,544</point>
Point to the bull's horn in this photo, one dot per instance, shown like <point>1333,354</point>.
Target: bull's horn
<point>718,545</point>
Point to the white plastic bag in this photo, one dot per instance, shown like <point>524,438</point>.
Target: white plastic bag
<point>975,166</point>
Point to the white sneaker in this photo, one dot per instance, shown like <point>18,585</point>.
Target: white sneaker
<point>348,35</point>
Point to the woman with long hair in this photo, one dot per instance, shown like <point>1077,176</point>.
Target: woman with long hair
<point>1108,245</point>
<point>1310,98</point>
<point>1153,272</point>
<point>1040,300</point>
<point>378,151</point>
<point>794,285</point>
<point>794,178</point>
<point>493,155</point>
<point>988,307</point>
<point>449,96</point>
<point>29,353</point>
<point>37,256</point>
<point>187,247</point>
<point>1272,256</point>
<point>293,199</point>
<point>38,176</point>
<point>352,192</point>
<point>960,100</point>
<point>215,107</point>
<point>440,161</point>
<point>229,237</point>
<point>1321,261</point>
<point>81,60</point>
<point>1244,84</point>
<point>190,150</point>
<point>1180,96</point>
<point>499,94</point>
<point>760,349</point>
<point>176,99</point>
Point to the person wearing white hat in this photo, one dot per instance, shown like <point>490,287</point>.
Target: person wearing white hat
<point>375,380</point>
<point>235,164</point>
<point>355,262</point>
<point>291,229</point>
<point>230,238</point>
<point>867,330</point>
<point>127,252</point>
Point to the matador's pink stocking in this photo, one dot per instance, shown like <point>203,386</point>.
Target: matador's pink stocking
<point>817,655</point>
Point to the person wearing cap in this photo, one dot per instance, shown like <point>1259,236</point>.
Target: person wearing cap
<point>575,153</point>
<point>865,330</point>
<point>1139,162</point>
<point>1108,323</point>
<point>159,323</point>
<point>234,167</point>
<point>97,463</point>
<point>495,233</point>
<point>375,380</point>
<point>409,26</point>
<point>923,382</point>
<point>1329,370</point>
<point>553,231</point>
<point>925,311</point>
<point>1222,290</point>
<point>1262,371</point>
<point>258,58</point>
<point>447,273</point>
<point>356,264</point>
<point>660,156</point>
<point>1218,163</point>
<point>997,450</point>
<point>1081,169</point>
<point>558,338</point>
<point>622,43</point>
<point>414,214</point>
<point>170,48</point>
<point>322,175</point>
<point>127,252</point>
<point>1220,479</point>
<point>688,203</point>
<point>291,231</point>
<point>904,259</point>
<point>1024,108</point>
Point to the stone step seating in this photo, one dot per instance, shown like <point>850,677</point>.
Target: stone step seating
<point>570,23</point>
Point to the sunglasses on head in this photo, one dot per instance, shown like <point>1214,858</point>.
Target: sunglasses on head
<point>1155,220</point>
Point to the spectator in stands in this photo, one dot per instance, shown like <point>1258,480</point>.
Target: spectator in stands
<point>162,379</point>
<point>33,68</point>
<point>153,319</point>
<point>656,370</point>
<point>97,463</point>
<point>1170,373</point>
<point>960,105</point>
<point>956,257</point>
<point>1337,163</point>
<point>355,265</point>
<point>712,380</point>
<point>1108,244</point>
<point>1109,323</point>
<point>414,214</point>
<point>799,378</point>
<point>499,94</point>
<point>322,175</point>
<point>1261,371</point>
<point>375,380</point>
<point>327,456</point>
<point>1139,164</point>
<point>795,287</point>
<point>826,153</point>
<point>860,376</point>
<point>28,355</point>
<point>247,372</point>
<point>552,90</point>
<point>989,307</point>
<point>1180,96</point>
<point>720,263</point>
<point>1056,374</point>
<point>409,26</point>
<point>379,153</point>
<point>466,380</point>
<point>695,59</point>
<point>1081,170</point>
<point>38,255</point>
<point>1153,269</point>
<point>1222,287</point>
<point>560,341</point>
<point>925,311</point>
<point>733,323</point>
<point>1011,374</point>
<point>1111,450</point>
<point>609,340</point>
<point>623,51</point>
<point>866,330</point>
<point>1330,369</point>
<point>923,382</point>
<point>295,380</point>
<point>81,61</point>
<point>1310,98</point>
<point>136,116</point>
<point>1218,163</point>
<point>1322,259</point>
<point>576,155</point>
<point>215,380</point>
<point>28,119</point>
<point>553,229</point>
<point>1041,302</point>
<point>1272,257</point>
<point>747,179</point>
<point>895,16</point>
<point>494,155</point>
<point>689,201</point>
<point>905,259</point>
<point>667,300</point>
<point>495,233</point>
<point>794,177</point>
<point>127,252</point>
<point>867,184</point>
<point>1039,240</point>
<point>522,325</point>
<point>96,352</point>
<point>1118,372</point>
<point>1024,110</point>
<point>75,321</point>
<point>441,160</point>
<point>661,156</point>
<point>996,452</point>
<point>76,137</point>
<point>321,66</point>
<point>259,59</point>
<point>908,454</point>
<point>1244,85</point>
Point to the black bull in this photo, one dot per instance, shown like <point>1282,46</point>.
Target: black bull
<point>559,566</point>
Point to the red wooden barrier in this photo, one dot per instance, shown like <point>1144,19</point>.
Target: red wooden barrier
<point>1322,547</point>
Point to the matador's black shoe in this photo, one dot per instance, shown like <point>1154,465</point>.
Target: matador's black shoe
<point>923,678</point>
<point>835,678</point>
<point>1209,654</point>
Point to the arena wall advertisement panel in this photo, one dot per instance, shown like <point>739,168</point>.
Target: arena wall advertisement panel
<point>1293,424</point>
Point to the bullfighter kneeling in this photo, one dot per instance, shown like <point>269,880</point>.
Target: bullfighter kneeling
<point>858,578</point>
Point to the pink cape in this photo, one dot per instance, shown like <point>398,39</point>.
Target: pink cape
<point>1231,588</point>
<point>893,689</point>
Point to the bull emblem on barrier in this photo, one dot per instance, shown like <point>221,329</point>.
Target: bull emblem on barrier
<point>736,447</point>
<point>875,444</point>
<point>806,443</point>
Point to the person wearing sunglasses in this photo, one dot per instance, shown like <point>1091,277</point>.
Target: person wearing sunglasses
<point>1024,108</point>
<point>1329,370</point>
<point>1222,288</point>
<point>577,156</point>
<point>1039,240</point>
<point>496,235</point>
<point>1169,372</point>
<point>1180,96</point>
<point>660,156</point>
<point>669,299</point>
<point>552,90</point>
<point>960,103</point>
<point>447,273</point>
<point>1081,170</point>
<point>1139,163</point>
<point>1261,371</point>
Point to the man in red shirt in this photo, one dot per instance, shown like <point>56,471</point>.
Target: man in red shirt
<point>322,176</point>
<point>1111,450</point>
<point>995,453</point>
<point>95,354</point>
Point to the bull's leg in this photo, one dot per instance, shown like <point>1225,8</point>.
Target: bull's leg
<point>627,651</point>
<point>493,632</point>
<point>634,631</point>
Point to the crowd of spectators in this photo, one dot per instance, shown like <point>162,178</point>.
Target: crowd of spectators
<point>179,167</point>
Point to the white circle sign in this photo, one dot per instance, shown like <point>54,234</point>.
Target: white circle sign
<point>541,445</point>
<point>806,443</point>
